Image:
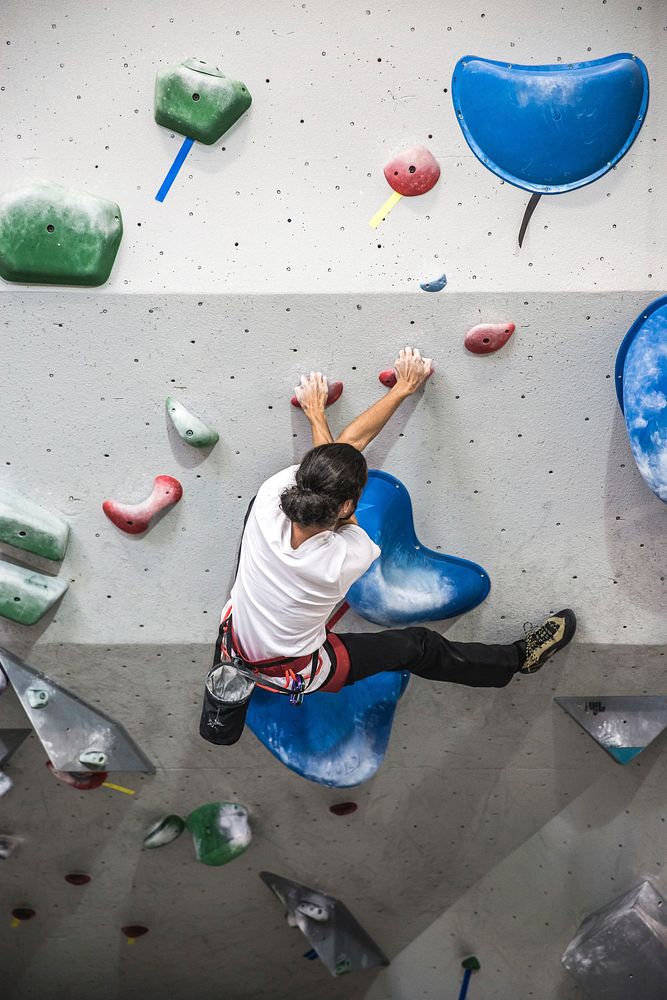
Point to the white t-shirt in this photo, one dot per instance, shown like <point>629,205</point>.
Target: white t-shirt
<point>283,597</point>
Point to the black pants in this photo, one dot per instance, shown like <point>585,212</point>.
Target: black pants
<point>428,654</point>
<point>420,650</point>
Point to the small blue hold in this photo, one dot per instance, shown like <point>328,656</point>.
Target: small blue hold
<point>311,955</point>
<point>434,286</point>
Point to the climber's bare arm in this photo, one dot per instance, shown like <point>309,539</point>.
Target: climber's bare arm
<point>411,373</point>
<point>312,396</point>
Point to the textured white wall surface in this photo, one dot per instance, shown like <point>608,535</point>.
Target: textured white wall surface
<point>338,88</point>
<point>518,460</point>
<point>494,824</point>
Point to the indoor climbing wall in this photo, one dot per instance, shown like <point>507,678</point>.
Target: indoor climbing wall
<point>184,229</point>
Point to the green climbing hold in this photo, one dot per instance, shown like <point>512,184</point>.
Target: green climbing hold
<point>164,831</point>
<point>191,428</point>
<point>26,595</point>
<point>220,831</point>
<point>26,525</point>
<point>197,100</point>
<point>53,235</point>
<point>471,963</point>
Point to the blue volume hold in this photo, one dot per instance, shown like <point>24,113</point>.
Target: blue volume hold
<point>641,386</point>
<point>179,159</point>
<point>550,129</point>
<point>336,739</point>
<point>408,583</point>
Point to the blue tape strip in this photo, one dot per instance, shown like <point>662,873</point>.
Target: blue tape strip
<point>464,985</point>
<point>173,169</point>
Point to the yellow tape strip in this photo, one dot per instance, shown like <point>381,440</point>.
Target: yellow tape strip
<point>15,921</point>
<point>117,788</point>
<point>383,212</point>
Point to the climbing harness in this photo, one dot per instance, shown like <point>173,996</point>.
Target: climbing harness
<point>233,679</point>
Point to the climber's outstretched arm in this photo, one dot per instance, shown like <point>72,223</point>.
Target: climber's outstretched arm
<point>411,372</point>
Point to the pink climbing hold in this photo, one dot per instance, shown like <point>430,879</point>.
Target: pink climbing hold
<point>85,782</point>
<point>488,337</point>
<point>414,171</point>
<point>135,518</point>
<point>388,377</point>
<point>335,392</point>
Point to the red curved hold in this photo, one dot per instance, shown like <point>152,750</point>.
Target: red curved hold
<point>488,337</point>
<point>388,377</point>
<point>77,878</point>
<point>414,171</point>
<point>335,392</point>
<point>135,518</point>
<point>84,782</point>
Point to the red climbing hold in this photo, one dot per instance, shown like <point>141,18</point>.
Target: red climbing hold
<point>84,781</point>
<point>488,337</point>
<point>77,878</point>
<point>136,518</point>
<point>388,377</point>
<point>20,914</point>
<point>414,171</point>
<point>343,808</point>
<point>335,392</point>
<point>132,931</point>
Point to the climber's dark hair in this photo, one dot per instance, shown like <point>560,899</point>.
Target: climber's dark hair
<point>328,476</point>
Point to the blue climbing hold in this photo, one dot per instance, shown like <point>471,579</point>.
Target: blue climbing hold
<point>436,285</point>
<point>641,387</point>
<point>337,739</point>
<point>550,129</point>
<point>408,583</point>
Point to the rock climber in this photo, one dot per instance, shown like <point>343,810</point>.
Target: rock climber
<point>301,551</point>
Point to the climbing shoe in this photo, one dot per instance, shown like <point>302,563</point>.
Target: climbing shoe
<point>541,642</point>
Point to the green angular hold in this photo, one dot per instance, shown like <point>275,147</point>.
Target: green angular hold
<point>164,831</point>
<point>26,525</point>
<point>56,236</point>
<point>220,831</point>
<point>197,100</point>
<point>191,428</point>
<point>26,595</point>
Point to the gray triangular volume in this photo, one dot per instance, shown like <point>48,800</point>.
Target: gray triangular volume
<point>11,740</point>
<point>68,727</point>
<point>623,725</point>
<point>340,942</point>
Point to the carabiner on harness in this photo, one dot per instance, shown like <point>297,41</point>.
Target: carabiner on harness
<point>296,686</point>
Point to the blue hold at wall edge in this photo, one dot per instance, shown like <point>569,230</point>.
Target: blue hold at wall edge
<point>641,387</point>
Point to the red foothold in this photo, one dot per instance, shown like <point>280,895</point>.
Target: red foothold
<point>343,808</point>
<point>84,781</point>
<point>21,913</point>
<point>335,392</point>
<point>136,518</point>
<point>488,337</point>
<point>414,171</point>
<point>132,931</point>
<point>77,878</point>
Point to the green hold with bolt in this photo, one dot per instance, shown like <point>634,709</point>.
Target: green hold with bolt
<point>25,595</point>
<point>197,100</point>
<point>26,525</point>
<point>191,428</point>
<point>56,236</point>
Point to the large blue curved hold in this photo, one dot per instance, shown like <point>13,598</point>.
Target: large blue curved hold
<point>641,387</point>
<point>334,739</point>
<point>408,583</point>
<point>550,129</point>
